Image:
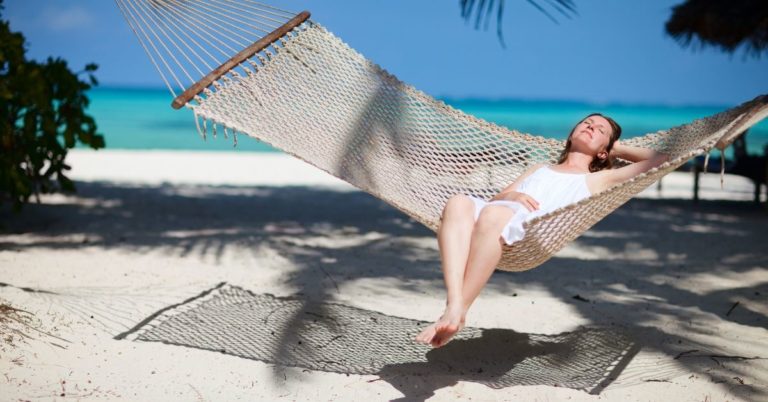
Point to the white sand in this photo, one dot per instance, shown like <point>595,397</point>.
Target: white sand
<point>150,229</point>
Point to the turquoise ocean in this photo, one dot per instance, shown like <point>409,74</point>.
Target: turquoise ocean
<point>142,119</point>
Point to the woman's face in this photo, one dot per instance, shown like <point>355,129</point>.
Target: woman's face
<point>593,134</point>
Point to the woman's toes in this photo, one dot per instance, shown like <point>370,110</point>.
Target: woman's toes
<point>425,336</point>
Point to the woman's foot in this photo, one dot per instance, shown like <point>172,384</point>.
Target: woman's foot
<point>439,333</point>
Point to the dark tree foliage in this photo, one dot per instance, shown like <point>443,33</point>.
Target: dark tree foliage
<point>723,24</point>
<point>43,115</point>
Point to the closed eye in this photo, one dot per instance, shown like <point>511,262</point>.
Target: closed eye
<point>601,129</point>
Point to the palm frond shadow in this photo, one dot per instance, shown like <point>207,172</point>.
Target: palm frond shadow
<point>329,238</point>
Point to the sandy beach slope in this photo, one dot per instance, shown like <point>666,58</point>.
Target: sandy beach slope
<point>148,284</point>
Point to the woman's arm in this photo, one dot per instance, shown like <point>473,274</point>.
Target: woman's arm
<point>644,159</point>
<point>510,193</point>
<point>633,154</point>
<point>515,184</point>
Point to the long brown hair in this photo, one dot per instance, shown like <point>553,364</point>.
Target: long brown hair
<point>597,164</point>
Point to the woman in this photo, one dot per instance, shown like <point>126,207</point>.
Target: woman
<point>472,231</point>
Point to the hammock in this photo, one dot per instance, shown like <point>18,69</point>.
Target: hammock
<point>301,89</point>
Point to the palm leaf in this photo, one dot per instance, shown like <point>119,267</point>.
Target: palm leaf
<point>481,11</point>
<point>723,24</point>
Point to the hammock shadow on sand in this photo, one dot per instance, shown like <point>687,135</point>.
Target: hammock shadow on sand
<point>343,339</point>
<point>242,218</point>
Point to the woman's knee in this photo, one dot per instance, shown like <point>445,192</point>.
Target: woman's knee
<point>493,218</point>
<point>459,204</point>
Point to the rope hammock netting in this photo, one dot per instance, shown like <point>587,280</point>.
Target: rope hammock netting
<point>279,77</point>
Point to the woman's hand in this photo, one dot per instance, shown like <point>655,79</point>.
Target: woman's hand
<point>522,198</point>
<point>643,159</point>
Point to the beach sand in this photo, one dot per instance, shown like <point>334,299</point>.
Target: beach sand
<point>665,297</point>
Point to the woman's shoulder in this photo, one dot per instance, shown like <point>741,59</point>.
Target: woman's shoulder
<point>537,166</point>
<point>530,170</point>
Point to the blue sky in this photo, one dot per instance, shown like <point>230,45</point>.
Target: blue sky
<point>613,51</point>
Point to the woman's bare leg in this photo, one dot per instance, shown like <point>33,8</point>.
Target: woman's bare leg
<point>484,255</point>
<point>453,238</point>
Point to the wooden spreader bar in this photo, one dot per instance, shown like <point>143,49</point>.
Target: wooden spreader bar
<point>256,47</point>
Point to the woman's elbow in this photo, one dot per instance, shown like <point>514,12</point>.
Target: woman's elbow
<point>661,158</point>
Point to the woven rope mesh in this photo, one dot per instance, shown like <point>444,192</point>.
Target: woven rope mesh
<point>316,98</point>
<point>343,339</point>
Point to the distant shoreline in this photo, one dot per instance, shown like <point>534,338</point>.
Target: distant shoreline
<point>490,99</point>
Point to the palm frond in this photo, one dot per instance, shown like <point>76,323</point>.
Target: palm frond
<point>722,24</point>
<point>482,10</point>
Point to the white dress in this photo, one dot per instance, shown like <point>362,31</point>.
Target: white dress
<point>549,188</point>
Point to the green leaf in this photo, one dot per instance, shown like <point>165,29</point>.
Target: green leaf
<point>43,105</point>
